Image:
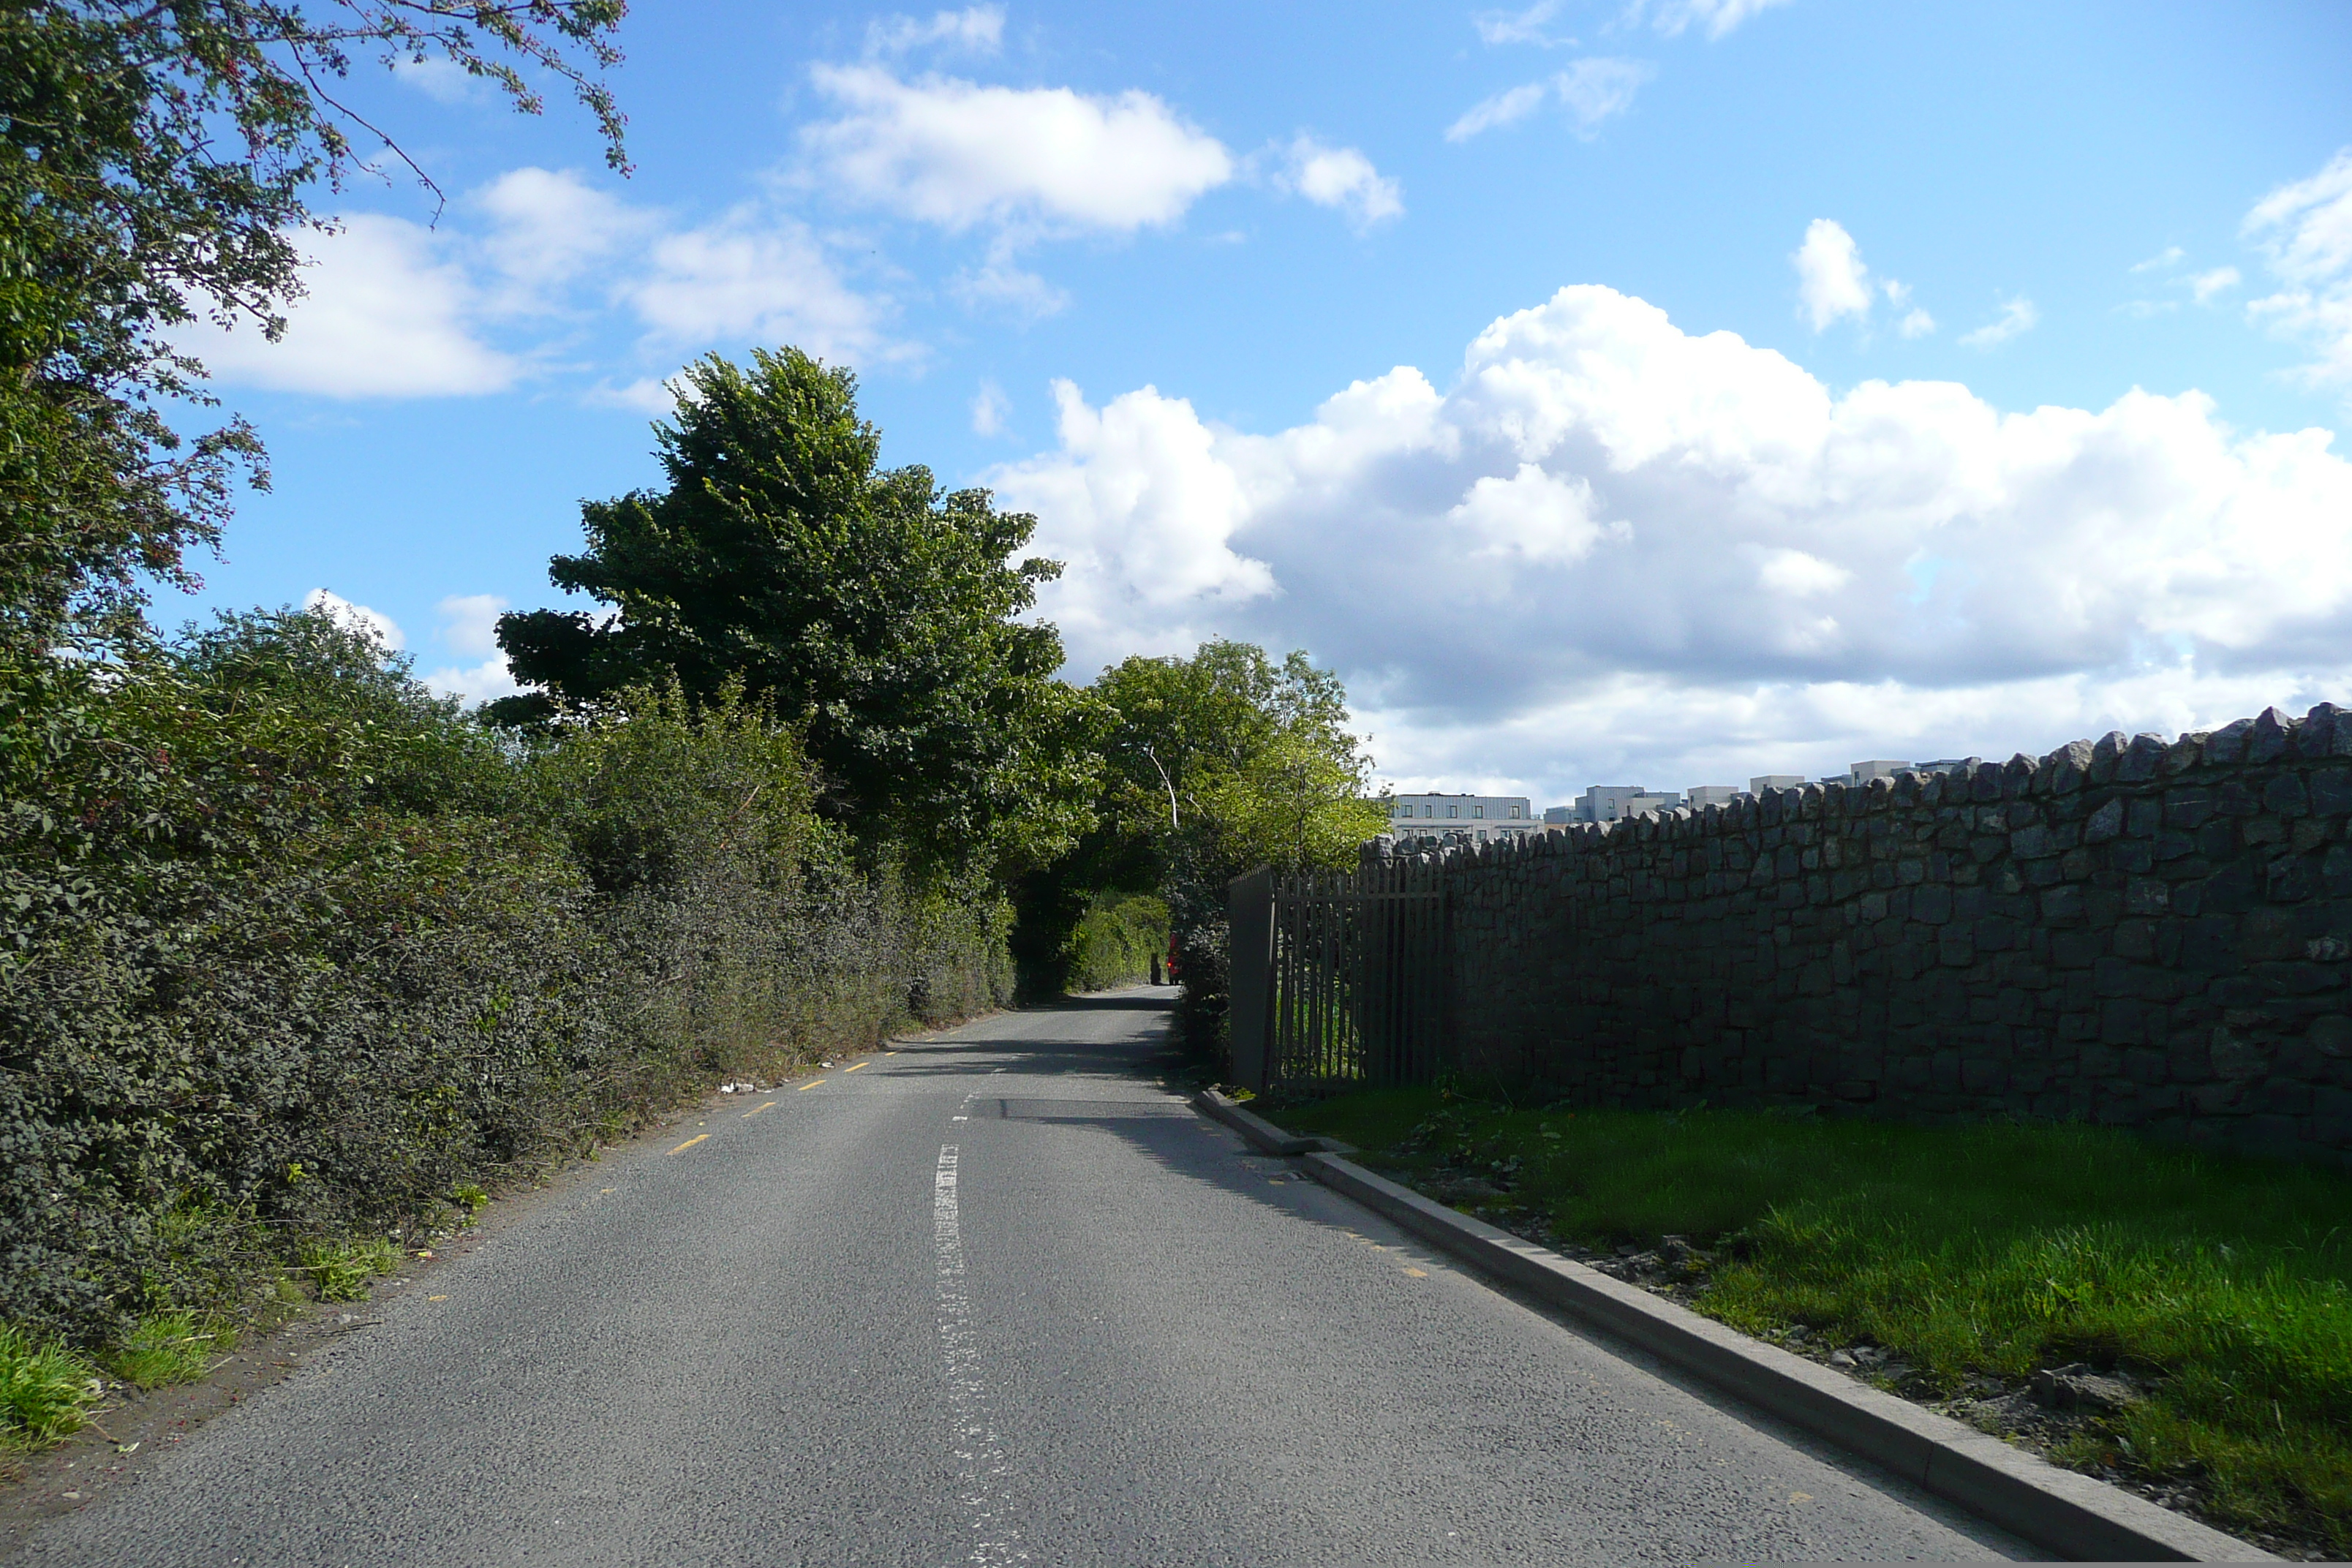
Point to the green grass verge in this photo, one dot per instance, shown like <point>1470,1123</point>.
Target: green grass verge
<point>1971,1251</point>
<point>47,1392</point>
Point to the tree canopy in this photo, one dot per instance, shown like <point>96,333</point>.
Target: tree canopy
<point>1239,760</point>
<point>875,610</point>
<point>156,160</point>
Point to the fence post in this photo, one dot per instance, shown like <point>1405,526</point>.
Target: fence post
<point>1250,974</point>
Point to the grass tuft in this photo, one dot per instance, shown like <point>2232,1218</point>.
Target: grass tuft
<point>166,1348</point>
<point>340,1270</point>
<point>47,1392</point>
<point>1990,1250</point>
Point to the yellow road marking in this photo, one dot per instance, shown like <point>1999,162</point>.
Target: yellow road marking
<point>853,1066</point>
<point>690,1143</point>
<point>437,1298</point>
<point>889,1053</point>
<point>1418,1273</point>
<point>602,1191</point>
<point>812,1083</point>
<point>755,1111</point>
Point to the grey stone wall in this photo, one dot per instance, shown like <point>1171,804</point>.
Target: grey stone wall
<point>2148,932</point>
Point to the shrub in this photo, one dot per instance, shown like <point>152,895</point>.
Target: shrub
<point>1116,941</point>
<point>290,950</point>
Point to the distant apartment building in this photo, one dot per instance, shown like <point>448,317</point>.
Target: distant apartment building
<point>1615,802</point>
<point>1480,817</point>
<point>1765,783</point>
<point>1711,795</point>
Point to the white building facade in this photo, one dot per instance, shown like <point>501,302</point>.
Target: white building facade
<point>1482,816</point>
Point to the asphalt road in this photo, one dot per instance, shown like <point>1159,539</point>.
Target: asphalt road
<point>996,1298</point>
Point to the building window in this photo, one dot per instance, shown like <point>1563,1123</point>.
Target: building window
<point>1478,811</point>
<point>1453,811</point>
<point>1428,811</point>
<point>1515,811</point>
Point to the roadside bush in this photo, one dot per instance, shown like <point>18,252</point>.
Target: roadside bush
<point>290,950</point>
<point>1115,940</point>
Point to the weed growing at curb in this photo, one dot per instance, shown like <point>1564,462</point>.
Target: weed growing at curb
<point>47,1392</point>
<point>168,1347</point>
<point>340,1270</point>
<point>1974,1257</point>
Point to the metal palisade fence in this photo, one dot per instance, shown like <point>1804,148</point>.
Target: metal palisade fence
<point>1338,980</point>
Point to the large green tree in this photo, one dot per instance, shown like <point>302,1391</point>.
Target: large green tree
<point>157,162</point>
<point>875,610</point>
<point>1230,760</point>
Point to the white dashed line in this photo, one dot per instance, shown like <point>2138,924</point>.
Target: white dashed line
<point>994,1539</point>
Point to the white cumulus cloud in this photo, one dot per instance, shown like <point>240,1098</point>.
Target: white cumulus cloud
<point>1340,177</point>
<point>957,153</point>
<point>391,312</point>
<point>752,275</point>
<point>357,617</point>
<point>1615,546</point>
<point>1831,278</point>
<point>1832,283</point>
<point>469,630</point>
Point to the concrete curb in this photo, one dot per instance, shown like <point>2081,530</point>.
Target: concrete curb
<point>1263,1135</point>
<point>2071,1515</point>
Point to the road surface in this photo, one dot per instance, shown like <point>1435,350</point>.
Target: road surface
<point>998,1298</point>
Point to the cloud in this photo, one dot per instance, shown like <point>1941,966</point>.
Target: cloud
<point>1831,281</point>
<point>2305,231</point>
<point>2205,285</point>
<point>2167,256</point>
<point>1615,546</point>
<point>990,409</point>
<point>1340,177</point>
<point>1527,26</point>
<point>1516,103</point>
<point>1596,87</point>
<point>548,227</point>
<point>752,275</point>
<point>979,29</point>
<point>470,629</point>
<point>1001,286</point>
<point>391,312</point>
<point>2016,316</point>
<point>1143,511</point>
<point>443,81</point>
<point>480,305</point>
<point>355,617</point>
<point>1713,18</point>
<point>1591,91</point>
<point>957,154</point>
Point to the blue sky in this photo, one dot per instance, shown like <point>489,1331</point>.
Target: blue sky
<point>1660,393</point>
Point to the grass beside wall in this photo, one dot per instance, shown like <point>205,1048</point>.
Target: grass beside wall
<point>1988,1251</point>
